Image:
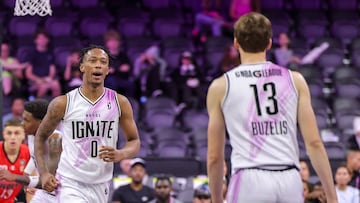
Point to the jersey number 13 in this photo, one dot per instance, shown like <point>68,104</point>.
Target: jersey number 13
<point>270,89</point>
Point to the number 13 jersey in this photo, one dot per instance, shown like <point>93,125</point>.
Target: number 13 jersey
<point>260,112</point>
<point>86,127</point>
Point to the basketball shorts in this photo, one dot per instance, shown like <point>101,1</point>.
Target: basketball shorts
<point>70,190</point>
<point>265,186</point>
<point>42,196</point>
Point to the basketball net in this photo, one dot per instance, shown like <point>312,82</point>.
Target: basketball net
<point>32,7</point>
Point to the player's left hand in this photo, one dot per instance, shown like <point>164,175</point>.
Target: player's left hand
<point>108,154</point>
<point>6,175</point>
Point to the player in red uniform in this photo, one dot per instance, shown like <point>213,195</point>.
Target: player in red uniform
<point>13,157</point>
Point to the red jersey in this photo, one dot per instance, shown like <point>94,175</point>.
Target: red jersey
<point>9,190</point>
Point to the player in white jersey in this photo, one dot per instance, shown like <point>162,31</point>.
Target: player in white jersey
<point>90,116</point>
<point>34,112</point>
<point>260,104</point>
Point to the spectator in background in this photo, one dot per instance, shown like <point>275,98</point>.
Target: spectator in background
<point>72,74</point>
<point>188,80</point>
<point>304,171</point>
<point>13,80</point>
<point>120,76</point>
<point>202,194</point>
<point>149,71</point>
<point>230,60</point>
<point>345,192</point>
<point>42,72</point>
<point>136,191</point>
<point>17,109</point>
<point>316,195</point>
<point>283,55</point>
<point>208,17</point>
<point>353,164</point>
<point>125,166</point>
<point>353,143</point>
<point>163,188</point>
<point>241,7</point>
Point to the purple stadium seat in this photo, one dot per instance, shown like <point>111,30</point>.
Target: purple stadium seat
<point>331,58</point>
<point>93,27</point>
<point>23,53</point>
<point>84,3</point>
<point>61,54</point>
<point>308,4</point>
<point>132,27</point>
<point>163,28</point>
<point>23,26</point>
<point>172,58</point>
<point>57,27</point>
<point>156,4</point>
<point>343,5</point>
<point>311,31</point>
<point>346,31</point>
<point>272,5</point>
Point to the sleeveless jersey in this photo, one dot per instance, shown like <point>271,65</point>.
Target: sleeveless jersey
<point>260,112</point>
<point>9,190</point>
<point>86,127</point>
<point>31,166</point>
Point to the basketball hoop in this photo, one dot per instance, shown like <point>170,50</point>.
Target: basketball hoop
<point>32,7</point>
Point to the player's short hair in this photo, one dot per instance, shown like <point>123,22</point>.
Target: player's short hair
<point>253,32</point>
<point>163,178</point>
<point>85,50</point>
<point>13,122</point>
<point>37,108</point>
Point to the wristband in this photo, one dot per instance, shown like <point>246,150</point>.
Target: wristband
<point>34,180</point>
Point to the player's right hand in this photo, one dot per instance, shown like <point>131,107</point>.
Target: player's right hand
<point>49,182</point>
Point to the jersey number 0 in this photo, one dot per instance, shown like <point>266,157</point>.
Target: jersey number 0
<point>270,88</point>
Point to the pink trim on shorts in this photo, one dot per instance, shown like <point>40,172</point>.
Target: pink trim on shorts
<point>58,189</point>
<point>235,185</point>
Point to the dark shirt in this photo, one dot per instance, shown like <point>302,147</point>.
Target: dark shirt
<point>125,194</point>
<point>352,143</point>
<point>41,62</point>
<point>119,60</point>
<point>355,180</point>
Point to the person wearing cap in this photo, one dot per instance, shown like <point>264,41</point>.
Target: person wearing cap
<point>136,191</point>
<point>163,188</point>
<point>187,78</point>
<point>353,143</point>
<point>202,194</point>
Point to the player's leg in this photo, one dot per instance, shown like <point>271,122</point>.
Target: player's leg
<point>70,191</point>
<point>99,192</point>
<point>252,185</point>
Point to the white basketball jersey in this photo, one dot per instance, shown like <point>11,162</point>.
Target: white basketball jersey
<point>260,111</point>
<point>86,127</point>
<point>31,165</point>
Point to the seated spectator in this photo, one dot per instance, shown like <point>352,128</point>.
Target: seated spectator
<point>42,72</point>
<point>13,80</point>
<point>353,164</point>
<point>208,17</point>
<point>202,194</point>
<point>149,71</point>
<point>230,60</point>
<point>72,74</point>
<point>188,80</point>
<point>163,188</point>
<point>283,55</point>
<point>345,193</point>
<point>317,195</point>
<point>353,143</point>
<point>136,191</point>
<point>17,109</point>
<point>120,76</point>
<point>241,7</point>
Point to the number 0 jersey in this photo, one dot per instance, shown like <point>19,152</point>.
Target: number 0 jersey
<point>86,127</point>
<point>260,111</point>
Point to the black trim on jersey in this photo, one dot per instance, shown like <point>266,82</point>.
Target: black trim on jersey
<point>118,103</point>
<point>3,148</point>
<point>227,87</point>
<point>88,100</point>
<point>264,168</point>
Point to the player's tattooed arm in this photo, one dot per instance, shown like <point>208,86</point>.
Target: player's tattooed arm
<point>55,149</point>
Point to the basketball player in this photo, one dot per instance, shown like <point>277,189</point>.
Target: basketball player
<point>90,116</point>
<point>13,157</point>
<point>260,104</point>
<point>32,116</point>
